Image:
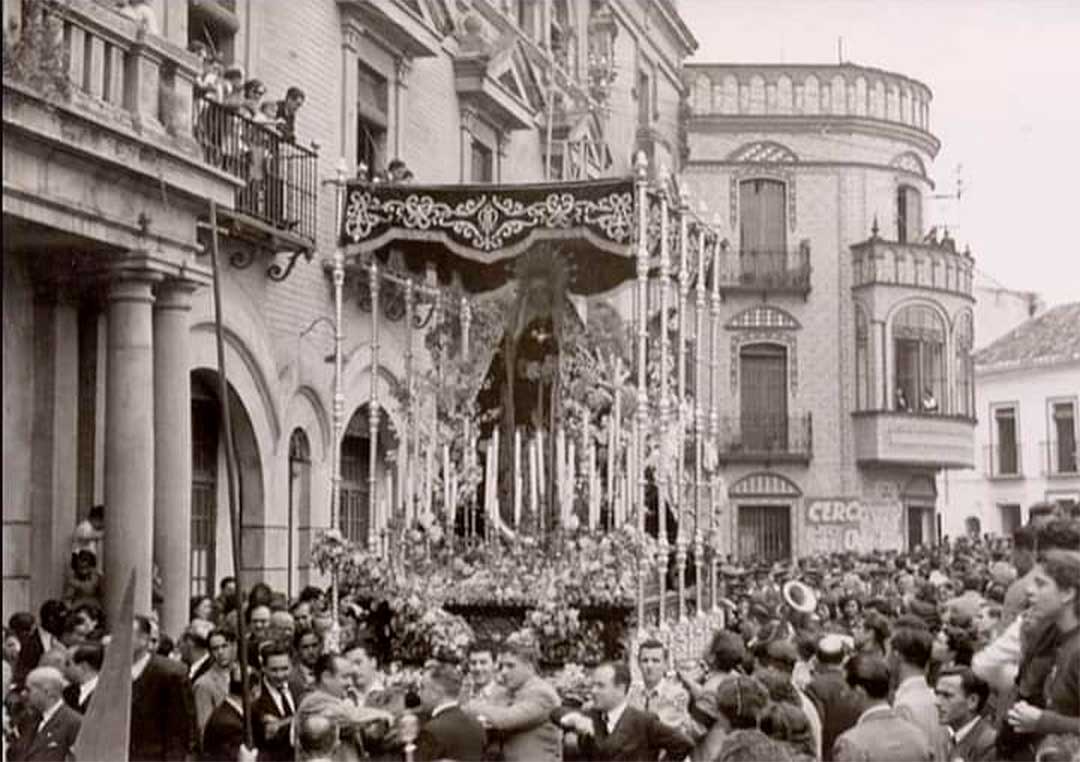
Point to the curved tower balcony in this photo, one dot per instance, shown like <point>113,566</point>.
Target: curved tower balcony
<point>797,97</point>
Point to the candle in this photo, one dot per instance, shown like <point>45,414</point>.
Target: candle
<point>516,479</point>
<point>541,485</point>
<point>533,494</point>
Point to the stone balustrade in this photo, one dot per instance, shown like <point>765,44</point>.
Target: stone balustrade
<point>121,72</point>
<point>807,90</point>
<point>920,265</point>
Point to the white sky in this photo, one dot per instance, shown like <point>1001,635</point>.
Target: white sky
<point>1006,81</point>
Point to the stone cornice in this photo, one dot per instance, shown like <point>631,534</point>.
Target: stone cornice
<point>815,124</point>
<point>773,71</point>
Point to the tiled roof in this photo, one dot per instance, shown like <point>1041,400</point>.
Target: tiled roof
<point>1052,337</point>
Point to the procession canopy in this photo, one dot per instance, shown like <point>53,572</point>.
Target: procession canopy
<point>477,231</point>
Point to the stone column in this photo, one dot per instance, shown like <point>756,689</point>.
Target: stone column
<point>172,450</point>
<point>129,442</point>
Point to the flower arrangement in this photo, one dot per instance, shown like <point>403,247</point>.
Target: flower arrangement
<point>423,632</point>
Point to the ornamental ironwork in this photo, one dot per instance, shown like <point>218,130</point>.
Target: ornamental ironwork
<point>485,223</point>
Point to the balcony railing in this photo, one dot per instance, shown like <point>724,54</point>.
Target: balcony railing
<point>1004,461</point>
<point>759,270</point>
<point>1060,458</point>
<point>280,177</point>
<point>766,436</point>
<point>919,265</point>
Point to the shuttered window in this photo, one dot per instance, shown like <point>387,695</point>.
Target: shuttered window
<point>205,419</point>
<point>763,393</point>
<point>908,214</point>
<point>762,221</point>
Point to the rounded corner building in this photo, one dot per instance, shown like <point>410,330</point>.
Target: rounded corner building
<point>847,325</point>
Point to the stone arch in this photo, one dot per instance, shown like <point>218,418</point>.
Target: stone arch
<point>309,397</point>
<point>909,161</point>
<point>212,527</point>
<point>256,361</point>
<point>764,484</point>
<point>763,316</point>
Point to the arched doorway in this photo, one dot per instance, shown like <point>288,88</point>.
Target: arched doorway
<point>299,550</point>
<point>354,516</point>
<point>211,530</point>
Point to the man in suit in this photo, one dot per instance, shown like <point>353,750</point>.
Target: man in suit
<point>212,688</point>
<point>41,639</point>
<point>195,649</point>
<point>86,661</point>
<point>614,731</point>
<point>224,731</point>
<point>56,725</point>
<point>273,711</point>
<point>830,693</point>
<point>914,701</point>
<point>162,706</point>
<point>450,733</point>
<point>880,734</point>
<point>961,702</point>
<point>522,719</point>
<point>328,698</point>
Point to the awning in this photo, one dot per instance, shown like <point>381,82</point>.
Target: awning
<point>477,230</point>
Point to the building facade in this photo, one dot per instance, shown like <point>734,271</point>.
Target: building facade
<point>1027,385</point>
<point>849,333</point>
<point>117,180</point>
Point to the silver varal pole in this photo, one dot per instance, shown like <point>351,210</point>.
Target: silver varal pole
<point>339,397</point>
<point>636,482</point>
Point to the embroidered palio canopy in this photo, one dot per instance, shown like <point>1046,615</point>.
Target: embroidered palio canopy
<point>483,228</point>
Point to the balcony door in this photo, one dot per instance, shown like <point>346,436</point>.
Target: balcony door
<point>1007,460</point>
<point>762,227</point>
<point>763,379</point>
<point>1063,445</point>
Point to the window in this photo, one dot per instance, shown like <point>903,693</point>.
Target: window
<point>1062,445</point>
<point>765,532</point>
<point>1010,518</point>
<point>919,344</point>
<point>205,417</point>
<point>483,165</point>
<point>644,91</point>
<point>372,108</point>
<point>965,367</point>
<point>908,214</point>
<point>762,228</point>
<point>355,448</point>
<point>299,551</point>
<point>763,397</point>
<point>862,361</point>
<point>1005,456</point>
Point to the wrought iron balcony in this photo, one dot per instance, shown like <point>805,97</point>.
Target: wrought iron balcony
<point>1060,458</point>
<point>278,199</point>
<point>1004,461</point>
<point>766,437</point>
<point>757,270</point>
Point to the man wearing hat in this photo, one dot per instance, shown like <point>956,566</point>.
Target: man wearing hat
<point>832,697</point>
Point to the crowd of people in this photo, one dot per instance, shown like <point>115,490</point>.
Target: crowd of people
<point>969,650</point>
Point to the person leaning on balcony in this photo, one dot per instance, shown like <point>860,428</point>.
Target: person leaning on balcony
<point>901,400</point>
<point>929,401</point>
<point>285,112</point>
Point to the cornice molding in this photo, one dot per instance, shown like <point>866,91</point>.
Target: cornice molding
<point>815,124</point>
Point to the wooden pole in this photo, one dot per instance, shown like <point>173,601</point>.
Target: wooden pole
<point>231,470</point>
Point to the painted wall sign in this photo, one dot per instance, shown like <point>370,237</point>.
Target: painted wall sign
<point>838,524</point>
